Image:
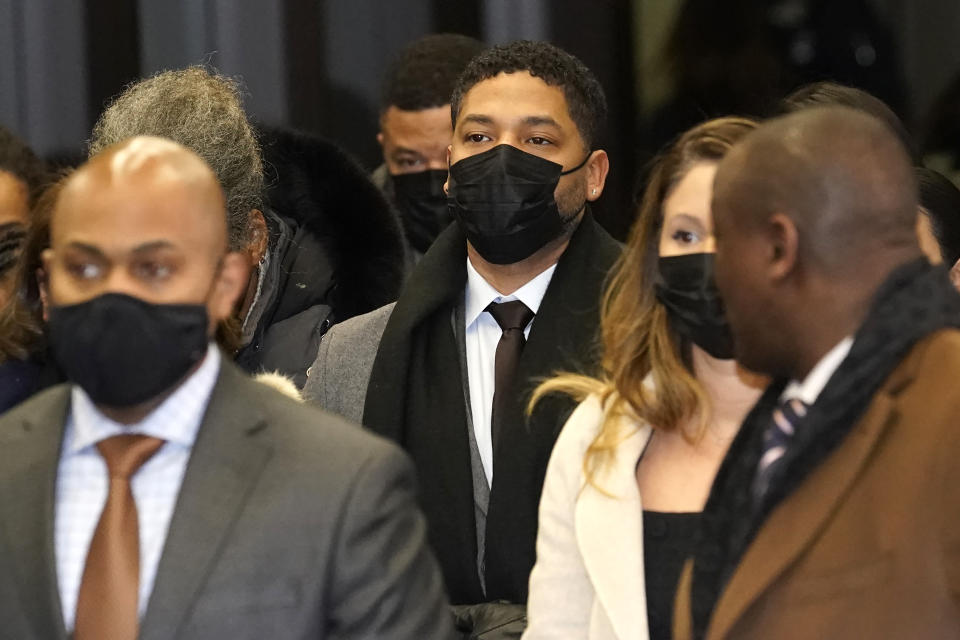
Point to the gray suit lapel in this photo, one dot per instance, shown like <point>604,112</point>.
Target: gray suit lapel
<point>223,470</point>
<point>481,488</point>
<point>29,458</point>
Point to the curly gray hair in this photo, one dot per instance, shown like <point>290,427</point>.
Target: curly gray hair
<point>202,111</point>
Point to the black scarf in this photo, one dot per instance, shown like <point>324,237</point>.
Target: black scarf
<point>915,301</point>
<point>415,397</point>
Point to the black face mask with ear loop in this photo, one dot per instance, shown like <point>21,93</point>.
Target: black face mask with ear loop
<point>124,351</point>
<point>687,289</point>
<point>503,199</point>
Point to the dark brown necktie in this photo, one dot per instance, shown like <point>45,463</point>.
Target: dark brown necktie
<point>110,588</point>
<point>513,317</point>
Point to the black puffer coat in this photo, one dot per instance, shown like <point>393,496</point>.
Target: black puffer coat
<point>336,250</point>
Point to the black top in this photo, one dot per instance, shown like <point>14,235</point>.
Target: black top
<point>667,542</point>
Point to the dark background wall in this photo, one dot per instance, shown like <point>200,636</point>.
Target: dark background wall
<point>318,65</point>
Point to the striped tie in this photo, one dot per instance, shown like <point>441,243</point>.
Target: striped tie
<point>776,439</point>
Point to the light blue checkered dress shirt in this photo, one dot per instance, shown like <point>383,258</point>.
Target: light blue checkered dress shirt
<point>82,482</point>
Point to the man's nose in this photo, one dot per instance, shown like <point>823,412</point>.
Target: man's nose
<point>507,137</point>
<point>119,281</point>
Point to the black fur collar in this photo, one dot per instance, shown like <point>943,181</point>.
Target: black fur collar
<point>322,190</point>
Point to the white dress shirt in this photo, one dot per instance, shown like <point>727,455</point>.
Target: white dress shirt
<point>482,335</point>
<point>809,390</point>
<point>82,480</point>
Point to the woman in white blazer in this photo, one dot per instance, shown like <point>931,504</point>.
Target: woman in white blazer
<point>633,466</point>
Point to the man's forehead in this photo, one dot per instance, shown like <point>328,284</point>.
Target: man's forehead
<point>437,118</point>
<point>513,96</point>
<point>426,126</point>
<point>99,244</point>
<point>128,214</point>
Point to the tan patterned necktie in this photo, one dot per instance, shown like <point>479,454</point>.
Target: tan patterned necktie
<point>109,590</point>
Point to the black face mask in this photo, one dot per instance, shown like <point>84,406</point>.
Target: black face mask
<point>503,201</point>
<point>423,206</point>
<point>688,291</point>
<point>124,351</point>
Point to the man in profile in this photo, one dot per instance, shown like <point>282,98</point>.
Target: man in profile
<point>162,493</point>
<point>507,295</point>
<point>836,512</point>
<point>415,132</point>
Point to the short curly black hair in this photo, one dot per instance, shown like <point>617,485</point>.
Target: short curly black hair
<point>424,73</point>
<point>585,98</point>
<point>17,159</point>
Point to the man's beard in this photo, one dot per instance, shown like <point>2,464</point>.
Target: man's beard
<point>570,203</point>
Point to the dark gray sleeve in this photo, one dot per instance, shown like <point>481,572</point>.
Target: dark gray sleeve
<point>337,380</point>
<point>385,580</point>
<point>314,390</point>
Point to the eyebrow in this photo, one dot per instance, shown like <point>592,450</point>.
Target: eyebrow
<point>143,248</point>
<point>536,121</point>
<point>530,121</point>
<point>477,118</point>
<point>86,248</point>
<point>689,219</point>
<point>153,246</point>
<point>399,151</point>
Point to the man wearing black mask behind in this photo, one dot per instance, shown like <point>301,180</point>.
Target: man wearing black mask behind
<point>415,133</point>
<point>438,372</point>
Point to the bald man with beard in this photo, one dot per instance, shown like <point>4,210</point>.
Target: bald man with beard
<point>163,494</point>
<point>836,512</point>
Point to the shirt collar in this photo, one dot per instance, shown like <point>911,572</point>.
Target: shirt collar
<point>177,419</point>
<point>480,293</point>
<point>809,390</point>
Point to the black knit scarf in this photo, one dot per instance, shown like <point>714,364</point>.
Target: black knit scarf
<point>416,398</point>
<point>915,301</point>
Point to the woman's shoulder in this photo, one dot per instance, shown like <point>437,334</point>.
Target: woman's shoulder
<point>590,417</point>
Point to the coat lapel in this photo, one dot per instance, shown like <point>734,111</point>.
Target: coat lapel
<point>29,458</point>
<point>795,524</point>
<point>609,531</point>
<point>226,462</point>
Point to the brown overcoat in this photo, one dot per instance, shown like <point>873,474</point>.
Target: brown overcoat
<point>868,546</point>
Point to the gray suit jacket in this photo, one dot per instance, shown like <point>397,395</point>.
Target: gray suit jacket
<point>338,380</point>
<point>290,524</point>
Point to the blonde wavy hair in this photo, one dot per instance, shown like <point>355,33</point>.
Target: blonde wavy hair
<point>638,345</point>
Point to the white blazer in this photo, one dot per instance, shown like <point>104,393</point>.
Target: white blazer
<point>588,580</point>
